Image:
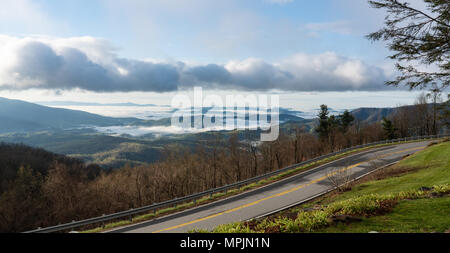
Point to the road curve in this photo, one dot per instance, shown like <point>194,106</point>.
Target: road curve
<point>272,197</point>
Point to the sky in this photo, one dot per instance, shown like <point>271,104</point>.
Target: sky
<point>309,52</point>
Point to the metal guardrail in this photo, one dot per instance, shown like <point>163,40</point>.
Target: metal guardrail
<point>132,212</point>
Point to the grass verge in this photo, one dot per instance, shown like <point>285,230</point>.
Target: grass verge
<point>409,216</point>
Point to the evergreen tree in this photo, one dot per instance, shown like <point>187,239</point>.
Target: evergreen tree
<point>388,128</point>
<point>323,128</point>
<point>417,37</point>
<point>346,119</point>
<point>334,123</point>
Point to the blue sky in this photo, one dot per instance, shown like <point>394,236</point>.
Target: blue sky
<point>118,47</point>
<point>204,30</point>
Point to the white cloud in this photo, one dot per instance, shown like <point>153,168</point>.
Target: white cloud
<point>92,64</point>
<point>352,70</point>
<point>331,72</point>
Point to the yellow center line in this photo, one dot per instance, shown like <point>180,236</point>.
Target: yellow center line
<point>281,193</point>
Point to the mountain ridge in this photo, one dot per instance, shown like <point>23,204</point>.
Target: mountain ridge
<point>22,116</point>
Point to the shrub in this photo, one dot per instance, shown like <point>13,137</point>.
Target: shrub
<point>365,205</point>
<point>233,228</point>
<point>441,189</point>
<point>287,225</point>
<point>414,194</point>
<point>199,231</point>
<point>308,221</point>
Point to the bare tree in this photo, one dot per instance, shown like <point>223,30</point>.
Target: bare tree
<point>435,96</point>
<point>421,115</point>
<point>339,178</point>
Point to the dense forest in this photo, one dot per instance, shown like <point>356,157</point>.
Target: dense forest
<point>40,189</point>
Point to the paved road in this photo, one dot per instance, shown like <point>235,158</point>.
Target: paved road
<point>270,198</point>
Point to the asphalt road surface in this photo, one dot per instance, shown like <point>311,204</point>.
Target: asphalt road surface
<point>273,197</point>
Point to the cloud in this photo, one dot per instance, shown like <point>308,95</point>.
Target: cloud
<point>331,72</point>
<point>79,63</point>
<point>255,74</point>
<point>92,64</point>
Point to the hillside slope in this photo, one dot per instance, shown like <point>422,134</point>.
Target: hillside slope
<point>21,116</point>
<point>371,115</point>
<point>15,156</point>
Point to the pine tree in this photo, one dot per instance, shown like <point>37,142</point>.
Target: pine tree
<point>389,128</point>
<point>417,37</point>
<point>323,128</point>
<point>346,119</point>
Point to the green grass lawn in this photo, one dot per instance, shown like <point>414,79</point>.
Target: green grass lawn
<point>409,216</point>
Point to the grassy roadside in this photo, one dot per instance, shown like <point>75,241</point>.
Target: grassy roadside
<point>222,195</point>
<point>412,196</point>
<point>409,216</point>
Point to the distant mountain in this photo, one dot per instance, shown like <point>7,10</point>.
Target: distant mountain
<point>371,115</point>
<point>73,103</point>
<point>21,116</point>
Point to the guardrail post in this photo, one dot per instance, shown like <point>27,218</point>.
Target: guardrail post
<point>103,223</point>
<point>195,201</point>
<point>72,229</point>
<point>131,216</point>
<point>154,211</point>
